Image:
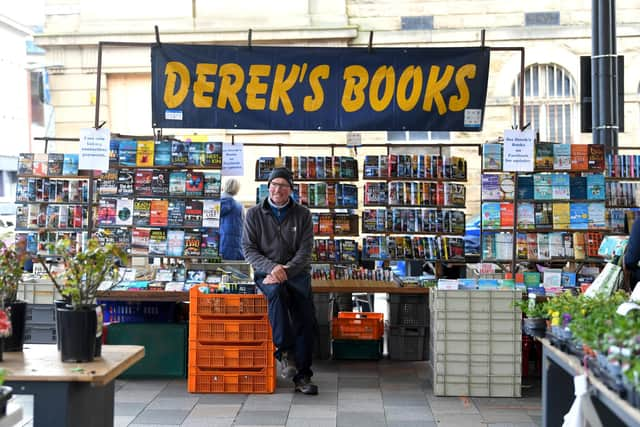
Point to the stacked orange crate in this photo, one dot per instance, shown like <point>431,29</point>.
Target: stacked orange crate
<point>230,346</point>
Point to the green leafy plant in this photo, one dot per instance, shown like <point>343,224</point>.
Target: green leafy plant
<point>11,268</point>
<point>86,270</point>
<point>537,310</point>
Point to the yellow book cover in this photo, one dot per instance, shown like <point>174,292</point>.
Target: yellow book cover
<point>144,153</point>
<point>561,216</point>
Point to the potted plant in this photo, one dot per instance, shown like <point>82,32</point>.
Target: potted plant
<point>80,324</point>
<point>536,315</point>
<point>12,261</point>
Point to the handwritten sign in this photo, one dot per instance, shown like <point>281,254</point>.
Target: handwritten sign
<point>94,149</point>
<point>232,159</point>
<point>518,153</point>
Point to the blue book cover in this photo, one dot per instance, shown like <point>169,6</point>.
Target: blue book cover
<point>568,279</point>
<point>491,215</point>
<point>579,216</point>
<point>70,164</point>
<point>597,215</point>
<point>525,187</point>
<point>492,157</point>
<point>562,156</point>
<point>578,187</point>
<point>543,192</point>
<point>162,153</point>
<point>491,187</point>
<point>560,179</point>
<point>595,187</point>
<point>127,152</point>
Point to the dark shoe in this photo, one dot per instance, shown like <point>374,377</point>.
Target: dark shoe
<point>305,386</point>
<point>286,371</point>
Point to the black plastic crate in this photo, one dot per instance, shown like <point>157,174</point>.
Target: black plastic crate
<point>407,342</point>
<point>40,334</point>
<point>41,314</point>
<point>357,349</point>
<point>409,310</point>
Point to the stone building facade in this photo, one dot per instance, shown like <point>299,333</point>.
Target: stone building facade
<point>554,34</point>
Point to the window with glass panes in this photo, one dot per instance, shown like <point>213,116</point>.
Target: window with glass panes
<point>422,136</point>
<point>550,102</point>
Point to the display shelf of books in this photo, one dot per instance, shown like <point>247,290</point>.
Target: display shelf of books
<point>556,213</point>
<point>413,207</point>
<point>52,200</point>
<point>161,198</point>
<point>622,186</point>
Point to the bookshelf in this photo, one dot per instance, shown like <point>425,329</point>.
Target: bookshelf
<point>327,186</point>
<point>552,216</point>
<point>413,207</point>
<point>52,201</point>
<point>161,198</point>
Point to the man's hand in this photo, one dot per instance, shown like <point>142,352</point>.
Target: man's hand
<point>270,280</point>
<point>279,273</point>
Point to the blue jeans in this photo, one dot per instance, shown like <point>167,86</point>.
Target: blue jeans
<point>292,318</point>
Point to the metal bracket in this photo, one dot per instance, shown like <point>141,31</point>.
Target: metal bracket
<point>370,41</point>
<point>157,34</point>
<point>249,38</point>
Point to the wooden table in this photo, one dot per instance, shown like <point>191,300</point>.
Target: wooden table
<point>318,286</point>
<point>69,394</point>
<point>558,370</point>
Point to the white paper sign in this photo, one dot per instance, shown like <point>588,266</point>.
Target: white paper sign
<point>232,159</point>
<point>518,153</point>
<point>94,149</point>
<point>354,139</point>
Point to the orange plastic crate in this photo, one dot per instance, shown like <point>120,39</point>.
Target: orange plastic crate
<point>215,381</point>
<point>358,326</point>
<point>231,356</point>
<point>230,330</point>
<point>226,304</point>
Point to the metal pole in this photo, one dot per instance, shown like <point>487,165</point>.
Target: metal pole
<point>604,66</point>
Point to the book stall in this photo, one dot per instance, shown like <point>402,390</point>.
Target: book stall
<point>399,228</point>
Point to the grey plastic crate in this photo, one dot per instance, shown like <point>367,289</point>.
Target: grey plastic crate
<point>409,310</point>
<point>407,342</point>
<point>40,334</point>
<point>41,314</point>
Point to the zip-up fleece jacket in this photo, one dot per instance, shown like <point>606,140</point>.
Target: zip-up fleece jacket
<point>266,243</point>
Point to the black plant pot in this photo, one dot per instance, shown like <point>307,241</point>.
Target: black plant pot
<point>60,303</point>
<point>5,394</point>
<point>18,315</point>
<point>77,334</point>
<point>534,327</point>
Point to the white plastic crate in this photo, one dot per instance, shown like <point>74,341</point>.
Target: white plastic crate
<point>456,322</point>
<point>463,385</point>
<point>489,301</point>
<point>477,365</point>
<point>40,292</point>
<point>499,344</point>
<point>475,344</point>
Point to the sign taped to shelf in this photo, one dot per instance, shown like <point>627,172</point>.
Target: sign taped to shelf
<point>518,153</point>
<point>319,88</point>
<point>94,149</point>
<point>232,159</point>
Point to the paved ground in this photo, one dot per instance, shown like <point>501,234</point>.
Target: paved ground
<point>352,394</point>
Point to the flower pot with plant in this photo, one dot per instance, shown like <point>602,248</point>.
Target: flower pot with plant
<point>536,315</point>
<point>12,261</point>
<point>80,323</point>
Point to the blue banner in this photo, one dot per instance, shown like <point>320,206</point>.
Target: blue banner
<point>346,89</point>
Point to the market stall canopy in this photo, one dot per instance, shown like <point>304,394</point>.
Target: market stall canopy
<point>319,88</point>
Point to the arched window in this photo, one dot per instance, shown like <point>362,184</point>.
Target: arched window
<point>550,101</point>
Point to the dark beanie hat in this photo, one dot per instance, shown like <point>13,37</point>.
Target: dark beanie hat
<point>281,173</point>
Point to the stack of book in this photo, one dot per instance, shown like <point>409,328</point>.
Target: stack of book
<point>309,167</point>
